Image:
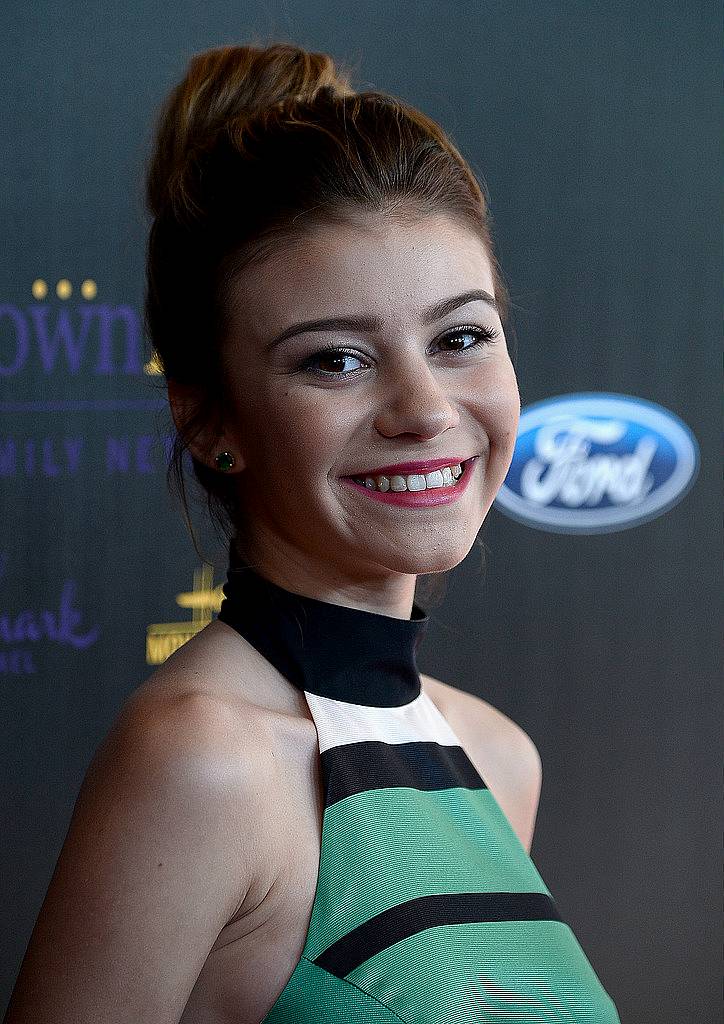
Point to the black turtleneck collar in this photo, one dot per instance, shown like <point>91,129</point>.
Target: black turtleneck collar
<point>329,649</point>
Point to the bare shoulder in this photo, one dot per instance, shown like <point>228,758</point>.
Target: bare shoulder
<point>161,852</point>
<point>210,726</point>
<point>186,723</point>
<point>500,749</point>
<point>192,737</point>
<point>498,727</point>
<point>183,765</point>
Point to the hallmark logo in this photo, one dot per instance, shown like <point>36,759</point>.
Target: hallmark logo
<point>35,625</point>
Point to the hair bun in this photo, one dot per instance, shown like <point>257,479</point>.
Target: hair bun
<point>221,87</point>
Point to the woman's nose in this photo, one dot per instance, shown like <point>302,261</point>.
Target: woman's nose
<point>416,402</point>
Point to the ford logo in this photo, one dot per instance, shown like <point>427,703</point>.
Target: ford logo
<point>595,463</point>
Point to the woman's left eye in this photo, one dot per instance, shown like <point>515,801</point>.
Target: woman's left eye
<point>481,336</point>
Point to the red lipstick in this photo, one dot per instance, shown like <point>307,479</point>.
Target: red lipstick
<point>405,468</point>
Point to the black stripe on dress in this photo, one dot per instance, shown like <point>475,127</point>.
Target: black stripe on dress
<point>357,767</point>
<point>416,915</point>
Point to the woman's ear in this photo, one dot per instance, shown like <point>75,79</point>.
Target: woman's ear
<point>206,443</point>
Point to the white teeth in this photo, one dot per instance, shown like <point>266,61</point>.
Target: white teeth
<point>415,481</point>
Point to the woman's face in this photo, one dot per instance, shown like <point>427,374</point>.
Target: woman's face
<point>407,387</point>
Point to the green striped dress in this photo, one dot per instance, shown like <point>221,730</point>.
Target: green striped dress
<point>428,910</point>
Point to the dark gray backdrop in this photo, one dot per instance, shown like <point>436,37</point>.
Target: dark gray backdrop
<point>597,128</point>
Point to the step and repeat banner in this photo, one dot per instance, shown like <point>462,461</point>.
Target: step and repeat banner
<point>594,621</point>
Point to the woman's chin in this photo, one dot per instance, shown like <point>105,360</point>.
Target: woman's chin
<point>415,563</point>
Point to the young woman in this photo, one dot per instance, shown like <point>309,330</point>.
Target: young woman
<point>288,822</point>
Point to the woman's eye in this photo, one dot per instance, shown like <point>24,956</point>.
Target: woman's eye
<point>335,357</point>
<point>482,336</point>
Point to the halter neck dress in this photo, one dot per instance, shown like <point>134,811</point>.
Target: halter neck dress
<point>428,910</point>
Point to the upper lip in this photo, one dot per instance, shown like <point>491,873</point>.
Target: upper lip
<point>404,468</point>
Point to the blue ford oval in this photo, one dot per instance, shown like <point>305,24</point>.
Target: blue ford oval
<point>595,462</point>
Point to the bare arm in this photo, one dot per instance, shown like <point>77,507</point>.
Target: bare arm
<point>531,780</point>
<point>158,857</point>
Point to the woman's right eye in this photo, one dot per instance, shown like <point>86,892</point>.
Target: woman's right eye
<point>334,356</point>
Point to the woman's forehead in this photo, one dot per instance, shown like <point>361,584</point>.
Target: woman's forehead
<point>389,269</point>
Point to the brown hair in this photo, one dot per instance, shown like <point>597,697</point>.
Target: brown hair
<point>253,146</point>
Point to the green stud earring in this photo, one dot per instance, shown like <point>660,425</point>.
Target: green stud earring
<point>224,461</point>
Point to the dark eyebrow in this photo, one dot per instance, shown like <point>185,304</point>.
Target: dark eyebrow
<point>370,324</point>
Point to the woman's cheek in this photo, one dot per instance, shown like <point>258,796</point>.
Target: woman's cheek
<point>308,429</point>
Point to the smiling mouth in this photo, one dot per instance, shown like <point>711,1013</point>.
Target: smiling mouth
<point>432,480</point>
<point>399,494</point>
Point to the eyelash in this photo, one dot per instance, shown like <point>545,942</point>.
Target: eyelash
<point>483,336</point>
